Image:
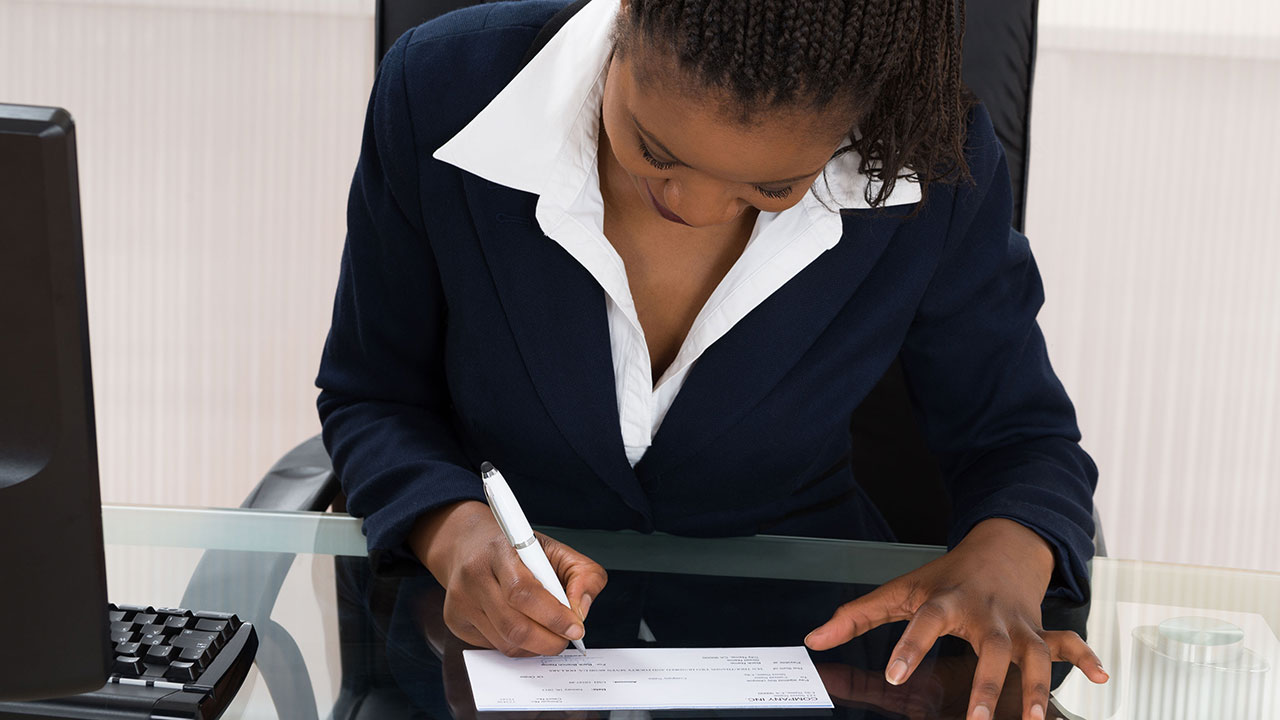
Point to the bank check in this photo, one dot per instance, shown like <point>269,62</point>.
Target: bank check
<point>763,678</point>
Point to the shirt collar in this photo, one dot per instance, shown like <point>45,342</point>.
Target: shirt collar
<point>540,120</point>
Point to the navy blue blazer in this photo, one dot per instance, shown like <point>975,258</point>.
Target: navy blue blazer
<point>461,333</point>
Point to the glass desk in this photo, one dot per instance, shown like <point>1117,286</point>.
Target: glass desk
<point>1179,641</point>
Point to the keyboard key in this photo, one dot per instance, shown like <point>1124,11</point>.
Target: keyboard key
<point>200,657</point>
<point>222,627</point>
<point>131,610</point>
<point>174,611</point>
<point>209,615</point>
<point>146,618</point>
<point>155,670</point>
<point>233,622</point>
<point>160,653</point>
<point>181,672</point>
<point>122,627</point>
<point>128,649</point>
<point>190,654</point>
<point>195,638</point>
<point>149,640</point>
<point>178,622</point>
<point>125,637</point>
<point>115,615</point>
<point>128,666</point>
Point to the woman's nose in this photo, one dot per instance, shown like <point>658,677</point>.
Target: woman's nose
<point>701,203</point>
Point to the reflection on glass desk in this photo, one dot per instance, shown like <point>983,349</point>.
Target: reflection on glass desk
<point>1179,641</point>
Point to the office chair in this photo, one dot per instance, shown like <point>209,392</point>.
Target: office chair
<point>890,458</point>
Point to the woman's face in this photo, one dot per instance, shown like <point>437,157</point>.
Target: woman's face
<point>688,161</point>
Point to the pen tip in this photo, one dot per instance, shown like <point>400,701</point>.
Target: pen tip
<point>486,467</point>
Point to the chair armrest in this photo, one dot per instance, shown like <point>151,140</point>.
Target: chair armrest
<point>303,479</point>
<point>248,583</point>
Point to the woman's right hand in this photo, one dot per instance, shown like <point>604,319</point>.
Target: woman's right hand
<point>491,598</point>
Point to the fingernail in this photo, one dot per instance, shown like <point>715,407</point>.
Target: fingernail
<point>1037,712</point>
<point>575,633</point>
<point>585,606</point>
<point>981,713</point>
<point>897,671</point>
<point>808,639</point>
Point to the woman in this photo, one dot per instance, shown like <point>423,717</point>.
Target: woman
<point>650,274</point>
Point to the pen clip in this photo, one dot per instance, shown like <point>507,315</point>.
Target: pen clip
<point>488,494</point>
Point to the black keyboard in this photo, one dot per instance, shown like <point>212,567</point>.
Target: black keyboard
<point>169,663</point>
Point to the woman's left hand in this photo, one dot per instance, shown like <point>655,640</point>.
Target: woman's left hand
<point>988,591</point>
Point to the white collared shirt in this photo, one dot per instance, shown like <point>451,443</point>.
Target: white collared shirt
<point>540,135</point>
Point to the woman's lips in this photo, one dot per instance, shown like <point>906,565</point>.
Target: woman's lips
<point>662,209</point>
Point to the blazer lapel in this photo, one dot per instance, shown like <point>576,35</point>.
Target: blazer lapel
<point>557,315</point>
<point>741,367</point>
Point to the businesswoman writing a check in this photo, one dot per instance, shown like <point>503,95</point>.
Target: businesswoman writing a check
<point>649,269</point>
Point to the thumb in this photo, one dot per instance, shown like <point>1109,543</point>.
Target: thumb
<point>582,577</point>
<point>880,606</point>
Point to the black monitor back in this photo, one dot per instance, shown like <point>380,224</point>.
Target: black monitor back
<point>53,603</point>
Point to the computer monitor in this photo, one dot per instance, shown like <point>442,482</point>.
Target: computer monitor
<point>53,603</point>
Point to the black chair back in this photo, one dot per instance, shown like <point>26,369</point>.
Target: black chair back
<point>890,458</point>
<point>393,18</point>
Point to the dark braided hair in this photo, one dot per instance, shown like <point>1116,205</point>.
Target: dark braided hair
<point>894,63</point>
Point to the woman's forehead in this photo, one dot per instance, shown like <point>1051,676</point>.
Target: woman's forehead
<point>705,130</point>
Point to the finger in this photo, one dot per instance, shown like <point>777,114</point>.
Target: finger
<point>467,627</point>
<point>583,578</point>
<point>494,638</point>
<point>994,654</point>
<point>931,622</point>
<point>528,615</point>
<point>882,605</point>
<point>583,586</point>
<point>467,632</point>
<point>1068,646</point>
<point>461,615</point>
<point>1036,664</point>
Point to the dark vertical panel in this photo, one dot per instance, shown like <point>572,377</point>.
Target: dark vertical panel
<point>890,457</point>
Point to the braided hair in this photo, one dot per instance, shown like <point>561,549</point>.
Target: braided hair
<point>895,64</point>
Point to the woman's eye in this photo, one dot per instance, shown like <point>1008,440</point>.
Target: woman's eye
<point>774,194</point>
<point>659,164</point>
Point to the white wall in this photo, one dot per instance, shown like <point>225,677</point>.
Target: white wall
<point>1152,211</point>
<point>216,143</point>
<point>217,139</point>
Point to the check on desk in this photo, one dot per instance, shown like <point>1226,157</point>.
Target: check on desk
<point>762,678</point>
